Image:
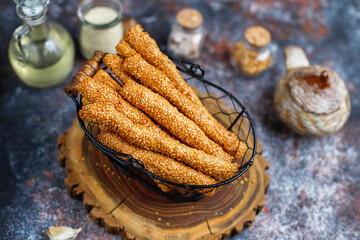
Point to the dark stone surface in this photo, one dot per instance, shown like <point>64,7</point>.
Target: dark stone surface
<point>314,191</point>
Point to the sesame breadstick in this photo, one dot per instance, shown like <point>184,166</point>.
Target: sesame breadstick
<point>159,109</point>
<point>201,116</point>
<point>195,137</point>
<point>138,135</point>
<point>157,81</point>
<point>125,50</point>
<point>85,101</point>
<point>114,63</point>
<point>149,50</point>
<point>96,92</point>
<point>158,164</point>
<point>103,77</point>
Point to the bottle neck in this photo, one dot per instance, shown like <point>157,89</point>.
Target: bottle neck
<point>35,19</point>
<point>39,31</point>
<point>35,28</point>
<point>33,15</point>
<point>36,23</point>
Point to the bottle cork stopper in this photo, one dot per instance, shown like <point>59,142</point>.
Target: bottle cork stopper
<point>189,18</point>
<point>257,36</point>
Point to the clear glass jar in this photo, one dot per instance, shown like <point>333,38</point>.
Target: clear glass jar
<point>186,38</point>
<point>41,53</point>
<point>252,55</point>
<point>102,26</point>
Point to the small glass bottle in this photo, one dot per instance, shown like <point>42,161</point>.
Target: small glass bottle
<point>40,52</point>
<point>186,38</point>
<point>102,26</point>
<point>252,55</point>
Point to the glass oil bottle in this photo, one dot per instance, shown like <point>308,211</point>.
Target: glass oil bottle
<point>40,52</point>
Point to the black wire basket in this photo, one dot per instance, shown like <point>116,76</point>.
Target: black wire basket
<point>215,99</point>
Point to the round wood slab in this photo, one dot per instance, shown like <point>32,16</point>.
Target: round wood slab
<point>124,206</point>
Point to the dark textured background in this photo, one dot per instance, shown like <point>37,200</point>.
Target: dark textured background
<point>314,191</point>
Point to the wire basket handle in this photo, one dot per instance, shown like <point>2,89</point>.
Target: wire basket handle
<point>89,69</point>
<point>187,67</point>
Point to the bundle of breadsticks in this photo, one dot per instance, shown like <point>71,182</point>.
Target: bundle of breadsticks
<point>148,111</point>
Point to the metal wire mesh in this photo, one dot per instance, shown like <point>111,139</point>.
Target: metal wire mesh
<point>235,118</point>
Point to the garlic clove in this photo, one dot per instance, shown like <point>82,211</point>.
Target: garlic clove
<point>62,233</point>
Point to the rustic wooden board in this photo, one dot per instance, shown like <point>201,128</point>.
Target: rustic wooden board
<point>124,206</point>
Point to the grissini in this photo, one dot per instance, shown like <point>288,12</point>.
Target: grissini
<point>166,115</point>
<point>157,81</point>
<point>96,92</point>
<point>158,164</point>
<point>85,101</point>
<point>103,77</point>
<point>114,63</point>
<point>159,109</point>
<point>149,50</point>
<point>140,136</point>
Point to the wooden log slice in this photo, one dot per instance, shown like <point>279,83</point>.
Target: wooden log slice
<point>126,207</point>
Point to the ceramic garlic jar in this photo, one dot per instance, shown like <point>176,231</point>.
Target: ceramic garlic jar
<point>311,100</point>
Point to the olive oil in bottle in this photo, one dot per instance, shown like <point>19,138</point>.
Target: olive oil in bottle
<point>40,52</point>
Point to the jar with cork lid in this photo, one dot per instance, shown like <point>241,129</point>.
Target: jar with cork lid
<point>186,38</point>
<point>252,55</point>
